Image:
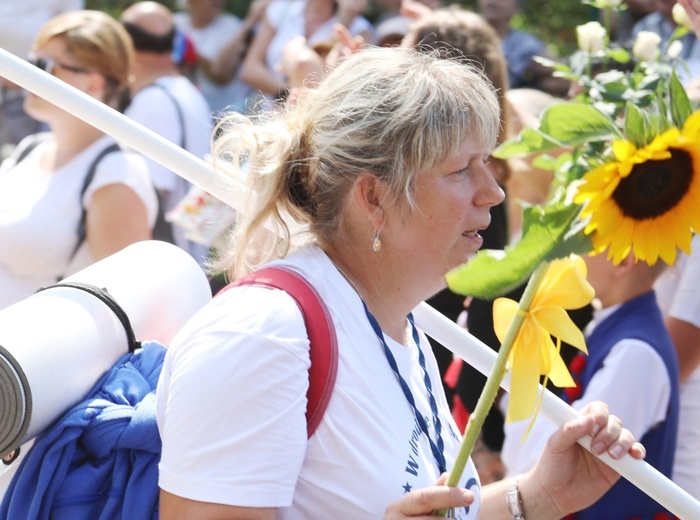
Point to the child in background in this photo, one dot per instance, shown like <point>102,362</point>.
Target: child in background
<point>632,366</point>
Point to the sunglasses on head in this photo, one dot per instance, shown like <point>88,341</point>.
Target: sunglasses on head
<point>49,65</point>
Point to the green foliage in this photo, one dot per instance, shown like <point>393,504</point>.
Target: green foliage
<point>552,21</point>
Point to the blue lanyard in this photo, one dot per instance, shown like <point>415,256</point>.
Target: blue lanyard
<point>439,448</point>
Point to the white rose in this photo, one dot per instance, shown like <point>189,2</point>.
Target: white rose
<point>591,37</point>
<point>674,50</point>
<point>681,17</point>
<point>646,46</point>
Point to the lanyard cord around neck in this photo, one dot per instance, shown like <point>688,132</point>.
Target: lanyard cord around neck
<point>439,448</point>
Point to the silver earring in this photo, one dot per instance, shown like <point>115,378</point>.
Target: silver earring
<point>377,243</point>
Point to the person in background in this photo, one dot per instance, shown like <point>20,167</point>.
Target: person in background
<point>677,289</point>
<point>220,40</point>
<point>632,366</point>
<point>681,306</point>
<point>166,102</point>
<point>19,23</point>
<point>519,48</point>
<point>41,185</point>
<point>314,20</point>
<point>623,21</point>
<point>382,168</point>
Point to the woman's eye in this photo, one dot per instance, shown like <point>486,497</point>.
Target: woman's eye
<point>462,171</point>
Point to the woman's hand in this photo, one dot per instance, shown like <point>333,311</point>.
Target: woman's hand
<point>421,503</point>
<point>567,477</point>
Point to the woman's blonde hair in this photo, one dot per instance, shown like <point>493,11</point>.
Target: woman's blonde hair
<point>390,112</point>
<point>98,42</point>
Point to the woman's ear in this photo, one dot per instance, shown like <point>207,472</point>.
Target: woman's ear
<point>370,194</point>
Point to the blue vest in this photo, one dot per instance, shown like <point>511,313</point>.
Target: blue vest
<point>639,318</point>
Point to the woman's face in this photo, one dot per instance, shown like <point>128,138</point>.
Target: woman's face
<point>453,201</point>
<point>55,59</point>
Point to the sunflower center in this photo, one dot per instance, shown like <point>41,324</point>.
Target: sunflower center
<point>654,187</point>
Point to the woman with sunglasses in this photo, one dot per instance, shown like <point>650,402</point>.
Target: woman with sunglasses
<point>43,198</point>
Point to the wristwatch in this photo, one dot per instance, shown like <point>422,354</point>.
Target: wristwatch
<point>514,502</point>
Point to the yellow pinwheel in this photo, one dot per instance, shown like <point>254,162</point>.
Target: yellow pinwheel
<point>533,353</point>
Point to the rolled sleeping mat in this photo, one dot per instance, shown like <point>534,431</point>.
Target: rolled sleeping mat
<point>56,344</point>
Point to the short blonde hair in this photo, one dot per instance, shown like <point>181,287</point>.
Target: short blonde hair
<point>98,41</point>
<point>391,112</point>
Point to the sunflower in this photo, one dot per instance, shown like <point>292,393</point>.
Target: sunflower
<point>648,200</point>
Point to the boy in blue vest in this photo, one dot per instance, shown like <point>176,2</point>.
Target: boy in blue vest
<point>632,366</point>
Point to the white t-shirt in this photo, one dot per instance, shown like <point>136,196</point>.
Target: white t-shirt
<point>40,211</point>
<point>640,402</point>
<point>232,397</point>
<point>155,109</point>
<point>287,17</point>
<point>208,42</point>
<point>677,288</point>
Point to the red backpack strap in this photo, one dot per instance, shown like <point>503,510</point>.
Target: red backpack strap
<point>319,327</point>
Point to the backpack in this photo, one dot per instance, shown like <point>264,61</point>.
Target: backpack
<point>162,230</point>
<point>100,460</point>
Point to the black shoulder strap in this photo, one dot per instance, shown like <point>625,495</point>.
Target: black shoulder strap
<point>26,150</point>
<point>180,115</point>
<point>82,223</point>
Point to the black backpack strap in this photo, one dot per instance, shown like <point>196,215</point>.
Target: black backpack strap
<point>82,223</point>
<point>178,109</point>
<point>162,229</point>
<point>103,295</point>
<point>31,145</point>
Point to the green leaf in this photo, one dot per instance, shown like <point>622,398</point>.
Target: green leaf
<point>548,232</point>
<point>573,124</point>
<point>620,55</point>
<point>545,162</point>
<point>635,126</point>
<point>680,104</point>
<point>530,140</point>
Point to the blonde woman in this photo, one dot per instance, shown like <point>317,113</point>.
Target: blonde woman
<point>43,194</point>
<point>384,164</point>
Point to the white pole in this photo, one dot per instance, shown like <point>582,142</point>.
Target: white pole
<point>432,322</point>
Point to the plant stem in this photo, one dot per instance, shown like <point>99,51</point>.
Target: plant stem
<point>493,382</point>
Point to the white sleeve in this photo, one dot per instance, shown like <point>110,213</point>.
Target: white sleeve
<point>686,302</point>
<point>635,384</point>
<point>231,401</point>
<point>130,169</point>
<point>633,381</point>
